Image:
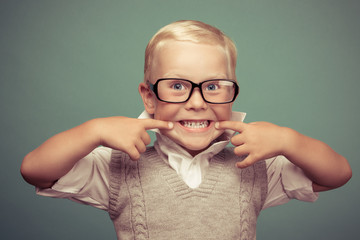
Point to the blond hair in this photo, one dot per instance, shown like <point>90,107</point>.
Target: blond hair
<point>193,31</point>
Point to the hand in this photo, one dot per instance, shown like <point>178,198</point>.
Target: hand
<point>257,140</point>
<point>128,134</point>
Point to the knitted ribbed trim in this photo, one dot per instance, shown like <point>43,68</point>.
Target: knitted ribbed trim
<point>130,171</point>
<point>260,168</point>
<point>247,188</point>
<point>114,183</point>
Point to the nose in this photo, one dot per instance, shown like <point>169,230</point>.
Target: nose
<point>196,101</point>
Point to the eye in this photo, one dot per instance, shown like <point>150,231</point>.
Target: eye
<point>212,87</point>
<point>177,86</point>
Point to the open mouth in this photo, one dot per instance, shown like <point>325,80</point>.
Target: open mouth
<point>195,124</point>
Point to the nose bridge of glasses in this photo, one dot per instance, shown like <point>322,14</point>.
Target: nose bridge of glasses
<point>193,89</point>
<point>196,98</point>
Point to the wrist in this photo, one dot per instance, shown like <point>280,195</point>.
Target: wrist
<point>93,129</point>
<point>289,139</point>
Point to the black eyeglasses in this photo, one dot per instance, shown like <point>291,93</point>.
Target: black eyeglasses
<point>177,90</point>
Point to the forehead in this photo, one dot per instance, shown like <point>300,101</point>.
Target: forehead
<point>194,61</point>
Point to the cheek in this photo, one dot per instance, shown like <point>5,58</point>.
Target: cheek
<point>223,112</point>
<point>165,111</point>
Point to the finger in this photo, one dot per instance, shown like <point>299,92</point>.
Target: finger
<point>154,123</point>
<point>146,138</point>
<point>133,153</point>
<point>237,140</point>
<point>232,125</point>
<point>247,162</point>
<point>241,150</point>
<point>140,146</point>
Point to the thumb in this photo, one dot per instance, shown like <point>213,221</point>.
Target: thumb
<point>154,123</point>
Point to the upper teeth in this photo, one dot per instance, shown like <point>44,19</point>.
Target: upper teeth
<point>197,124</point>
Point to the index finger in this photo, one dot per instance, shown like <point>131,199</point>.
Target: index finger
<point>232,125</point>
<point>154,123</point>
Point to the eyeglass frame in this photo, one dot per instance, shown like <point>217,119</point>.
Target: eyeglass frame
<point>154,88</point>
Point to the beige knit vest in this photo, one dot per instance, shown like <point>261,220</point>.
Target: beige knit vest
<point>148,200</point>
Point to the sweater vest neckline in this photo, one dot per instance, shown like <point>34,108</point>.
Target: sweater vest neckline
<point>176,183</point>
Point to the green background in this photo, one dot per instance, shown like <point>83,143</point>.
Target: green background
<point>65,62</point>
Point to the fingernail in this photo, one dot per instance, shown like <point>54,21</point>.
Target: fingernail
<point>217,125</point>
<point>171,125</point>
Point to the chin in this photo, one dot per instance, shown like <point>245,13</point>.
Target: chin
<point>196,146</point>
<point>195,149</point>
<point>193,143</point>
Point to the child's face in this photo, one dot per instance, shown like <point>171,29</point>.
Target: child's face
<point>195,62</point>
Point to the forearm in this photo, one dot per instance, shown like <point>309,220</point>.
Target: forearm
<point>56,156</point>
<point>320,162</point>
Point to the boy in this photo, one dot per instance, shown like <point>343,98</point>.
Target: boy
<point>187,185</point>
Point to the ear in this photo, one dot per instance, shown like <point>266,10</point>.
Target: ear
<point>148,98</point>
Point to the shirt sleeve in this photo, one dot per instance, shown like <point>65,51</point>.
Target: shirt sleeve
<point>87,182</point>
<point>287,181</point>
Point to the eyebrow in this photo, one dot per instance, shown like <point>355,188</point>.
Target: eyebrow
<point>184,76</point>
